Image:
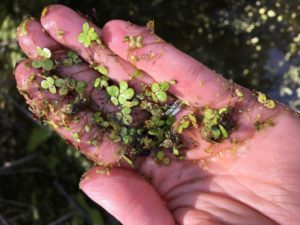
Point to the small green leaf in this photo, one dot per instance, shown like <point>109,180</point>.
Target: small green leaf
<point>216,133</point>
<point>68,62</point>
<point>46,53</point>
<point>81,37</point>
<point>97,82</point>
<point>160,155</point>
<point>223,131</point>
<point>113,90</point>
<point>44,84</point>
<point>71,83</point>
<point>164,86</point>
<point>52,89</point>
<point>85,27</point>
<point>80,86</point>
<point>123,86</point>
<point>262,98</point>
<point>127,139</point>
<point>102,69</point>
<point>129,93</point>
<point>114,100</point>
<point>50,80</point>
<point>175,151</point>
<point>155,87</point>
<point>63,90</point>
<point>36,64</point>
<point>103,83</point>
<point>59,82</point>
<point>161,96</point>
<point>208,114</point>
<point>134,102</point>
<point>122,99</point>
<point>127,119</point>
<point>126,110</point>
<point>47,64</point>
<point>170,120</point>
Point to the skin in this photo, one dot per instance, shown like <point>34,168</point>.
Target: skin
<point>251,178</point>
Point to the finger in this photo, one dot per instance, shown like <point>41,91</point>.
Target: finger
<point>36,37</point>
<point>195,82</point>
<point>67,23</point>
<point>126,196</point>
<point>50,108</point>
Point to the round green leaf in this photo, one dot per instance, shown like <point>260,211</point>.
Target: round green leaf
<point>47,64</point>
<point>68,62</point>
<point>85,27</point>
<point>114,100</point>
<point>39,51</point>
<point>155,87</point>
<point>126,110</point>
<point>44,84</point>
<point>102,69</point>
<point>50,80</point>
<point>46,53</point>
<point>122,99</point>
<point>97,82</point>
<point>127,119</point>
<point>164,86</point>
<point>160,155</point>
<point>71,83</point>
<point>113,90</point>
<point>127,139</point>
<point>87,42</point>
<point>52,89</point>
<point>59,82</point>
<point>81,37</point>
<point>129,93</point>
<point>103,83</point>
<point>123,86</point>
<point>215,132</point>
<point>36,64</point>
<point>161,96</point>
<point>135,102</point>
<point>80,87</point>
<point>63,90</point>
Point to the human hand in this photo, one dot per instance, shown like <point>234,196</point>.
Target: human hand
<point>250,178</point>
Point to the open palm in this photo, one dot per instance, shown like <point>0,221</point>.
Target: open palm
<point>252,178</point>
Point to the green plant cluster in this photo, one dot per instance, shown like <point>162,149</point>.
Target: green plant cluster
<point>217,124</point>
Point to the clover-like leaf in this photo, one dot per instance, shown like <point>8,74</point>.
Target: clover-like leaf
<point>87,35</point>
<point>123,86</point>
<point>44,52</point>
<point>113,91</point>
<point>80,86</point>
<point>36,64</point>
<point>47,64</point>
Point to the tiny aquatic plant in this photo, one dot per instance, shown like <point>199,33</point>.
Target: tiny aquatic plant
<point>159,91</point>
<point>120,95</point>
<point>134,41</point>
<point>44,62</point>
<point>217,123</point>
<point>269,103</point>
<point>88,35</point>
<point>72,58</point>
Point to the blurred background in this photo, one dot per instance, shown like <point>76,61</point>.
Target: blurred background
<point>255,43</point>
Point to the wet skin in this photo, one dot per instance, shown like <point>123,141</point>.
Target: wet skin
<point>250,178</point>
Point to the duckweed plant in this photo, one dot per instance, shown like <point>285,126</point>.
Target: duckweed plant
<point>143,123</point>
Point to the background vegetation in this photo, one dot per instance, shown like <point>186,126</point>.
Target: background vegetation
<point>255,43</point>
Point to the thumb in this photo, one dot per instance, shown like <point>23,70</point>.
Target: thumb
<point>127,196</point>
